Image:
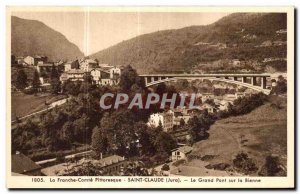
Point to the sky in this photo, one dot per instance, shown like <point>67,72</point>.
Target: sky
<point>95,31</point>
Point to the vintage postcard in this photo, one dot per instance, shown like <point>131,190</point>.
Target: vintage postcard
<point>150,97</point>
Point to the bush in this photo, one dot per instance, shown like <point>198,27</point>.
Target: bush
<point>271,167</point>
<point>60,158</point>
<point>165,167</point>
<point>244,164</point>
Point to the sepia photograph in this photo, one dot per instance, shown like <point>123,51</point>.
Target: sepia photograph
<point>197,97</point>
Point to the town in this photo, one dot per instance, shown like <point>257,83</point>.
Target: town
<point>179,127</point>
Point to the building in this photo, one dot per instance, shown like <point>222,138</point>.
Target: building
<point>239,95</point>
<point>38,58</point>
<point>88,64</point>
<point>223,105</point>
<point>72,75</point>
<point>96,75</point>
<point>106,75</point>
<point>20,60</point>
<point>44,67</point>
<point>112,164</point>
<point>115,74</point>
<point>71,65</point>
<point>166,119</point>
<point>181,153</point>
<point>181,114</point>
<point>29,60</point>
<point>209,108</point>
<point>101,77</point>
<point>21,164</point>
<point>236,62</point>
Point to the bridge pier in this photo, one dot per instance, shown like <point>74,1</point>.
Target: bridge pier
<point>146,81</point>
<point>263,81</point>
<point>253,81</point>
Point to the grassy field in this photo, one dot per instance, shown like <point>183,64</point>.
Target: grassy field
<point>259,133</point>
<point>23,104</point>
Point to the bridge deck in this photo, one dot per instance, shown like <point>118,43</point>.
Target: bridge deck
<point>205,75</point>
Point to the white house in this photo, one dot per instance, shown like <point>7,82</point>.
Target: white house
<point>29,60</point>
<point>115,74</point>
<point>223,105</point>
<point>88,64</point>
<point>181,153</point>
<point>72,75</point>
<point>166,119</point>
<point>106,75</point>
<point>208,107</point>
<point>96,75</point>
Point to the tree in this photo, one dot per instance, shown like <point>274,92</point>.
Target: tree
<point>55,82</point>
<point>100,142</point>
<point>182,122</point>
<point>36,83</point>
<point>67,132</point>
<point>72,88</point>
<point>271,166</point>
<point>145,138</point>
<point>13,60</point>
<point>21,82</point>
<point>281,86</point>
<point>128,78</point>
<point>164,143</point>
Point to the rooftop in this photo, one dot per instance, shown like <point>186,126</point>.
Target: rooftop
<point>184,149</point>
<point>75,71</point>
<point>45,64</point>
<point>21,164</point>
